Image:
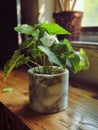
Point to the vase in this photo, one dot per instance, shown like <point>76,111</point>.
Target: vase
<point>48,93</point>
<point>70,20</point>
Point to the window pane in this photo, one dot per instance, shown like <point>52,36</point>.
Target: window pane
<point>90,17</point>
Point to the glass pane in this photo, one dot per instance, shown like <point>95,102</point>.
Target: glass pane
<point>90,17</point>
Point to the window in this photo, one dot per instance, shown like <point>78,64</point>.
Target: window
<point>90,21</point>
<point>90,13</point>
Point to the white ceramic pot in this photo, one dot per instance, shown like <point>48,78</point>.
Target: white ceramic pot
<point>48,93</point>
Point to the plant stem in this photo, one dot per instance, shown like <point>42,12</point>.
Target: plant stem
<point>28,65</point>
<point>35,63</point>
<point>46,65</point>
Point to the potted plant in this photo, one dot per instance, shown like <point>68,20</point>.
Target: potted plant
<point>49,76</point>
<point>69,19</point>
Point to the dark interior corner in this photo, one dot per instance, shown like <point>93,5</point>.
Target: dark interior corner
<point>9,38</point>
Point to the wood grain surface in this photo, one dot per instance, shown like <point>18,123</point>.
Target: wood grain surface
<point>81,114</point>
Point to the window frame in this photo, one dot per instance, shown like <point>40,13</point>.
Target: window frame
<point>89,34</point>
<point>90,29</point>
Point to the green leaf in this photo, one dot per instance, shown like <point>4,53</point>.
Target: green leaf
<point>22,60</point>
<point>35,53</point>
<point>86,60</point>
<point>73,62</point>
<point>25,29</point>
<point>26,44</point>
<point>52,57</point>
<point>68,45</point>
<point>62,50</point>
<point>8,67</point>
<point>78,61</point>
<point>54,29</point>
<point>65,46</point>
<point>7,90</point>
<point>16,60</point>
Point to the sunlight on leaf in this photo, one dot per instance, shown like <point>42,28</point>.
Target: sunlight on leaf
<point>49,27</point>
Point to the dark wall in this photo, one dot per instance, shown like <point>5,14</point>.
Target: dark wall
<point>29,11</point>
<point>8,37</point>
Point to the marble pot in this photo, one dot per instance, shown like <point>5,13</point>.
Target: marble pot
<point>48,93</point>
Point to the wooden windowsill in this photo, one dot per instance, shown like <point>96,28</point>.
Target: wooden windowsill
<point>82,111</point>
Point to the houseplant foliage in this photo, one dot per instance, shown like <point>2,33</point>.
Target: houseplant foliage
<point>42,48</point>
<point>49,76</point>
